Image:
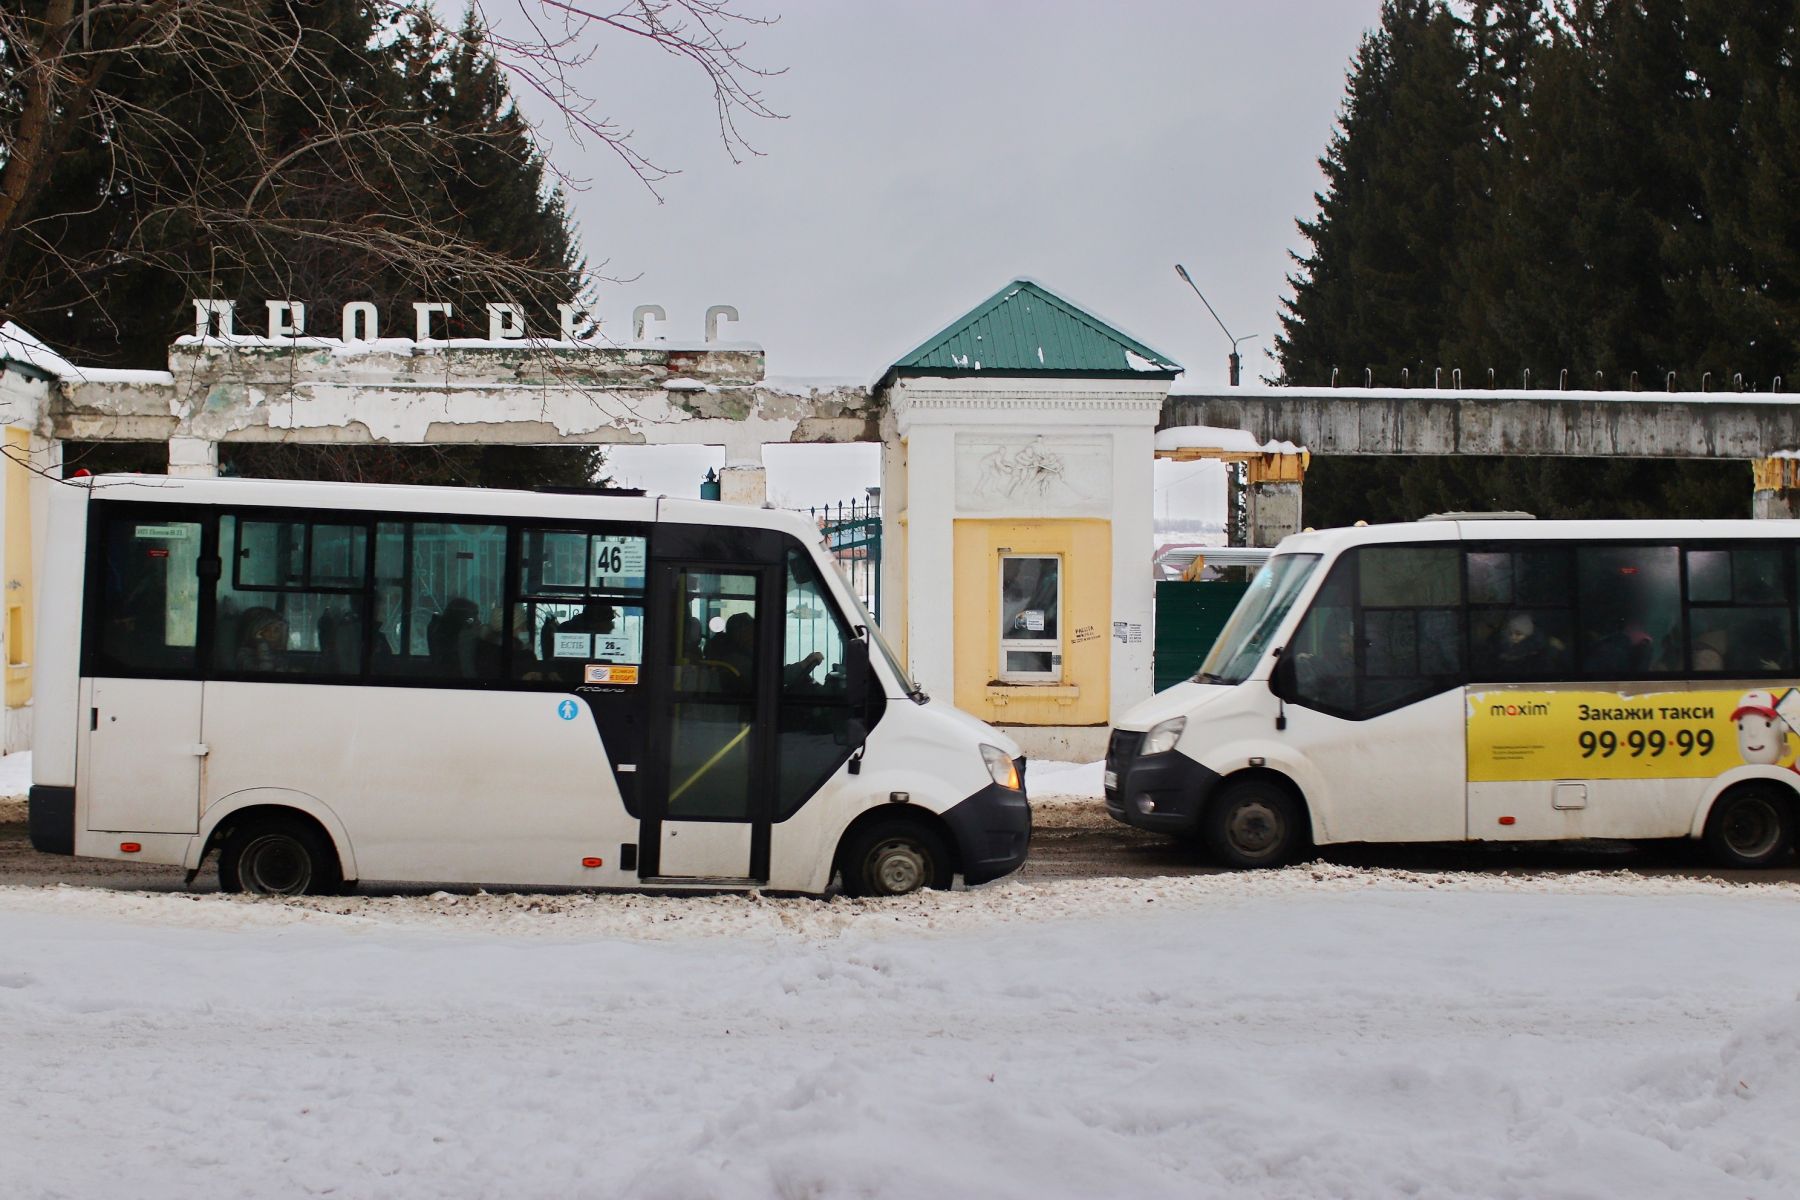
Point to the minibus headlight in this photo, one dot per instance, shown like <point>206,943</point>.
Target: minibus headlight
<point>1163,736</point>
<point>1002,768</point>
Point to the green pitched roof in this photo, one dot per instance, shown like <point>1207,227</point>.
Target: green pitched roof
<point>1024,329</point>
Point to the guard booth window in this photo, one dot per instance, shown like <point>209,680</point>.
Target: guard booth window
<point>1030,613</point>
<point>1385,631</point>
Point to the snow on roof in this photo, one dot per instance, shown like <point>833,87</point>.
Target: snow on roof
<point>1212,437</point>
<point>18,346</point>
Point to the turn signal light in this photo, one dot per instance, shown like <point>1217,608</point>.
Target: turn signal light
<point>590,862</point>
<point>1509,820</point>
<point>130,847</point>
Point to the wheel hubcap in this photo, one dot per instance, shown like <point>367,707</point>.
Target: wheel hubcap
<point>898,868</point>
<point>1752,827</point>
<point>274,865</point>
<point>1255,829</point>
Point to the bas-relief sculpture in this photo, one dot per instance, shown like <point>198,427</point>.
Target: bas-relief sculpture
<point>1042,476</point>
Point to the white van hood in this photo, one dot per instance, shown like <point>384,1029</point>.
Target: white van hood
<point>1178,701</point>
<point>978,731</point>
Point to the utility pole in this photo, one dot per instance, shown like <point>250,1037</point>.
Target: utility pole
<point>1235,361</point>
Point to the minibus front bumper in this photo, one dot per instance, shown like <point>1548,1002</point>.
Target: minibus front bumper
<point>1163,793</point>
<point>992,829</point>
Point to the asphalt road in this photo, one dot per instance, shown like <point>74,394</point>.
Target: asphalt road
<point>1069,842</point>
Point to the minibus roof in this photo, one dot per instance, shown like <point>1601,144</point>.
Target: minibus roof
<point>457,501</point>
<point>1328,541</point>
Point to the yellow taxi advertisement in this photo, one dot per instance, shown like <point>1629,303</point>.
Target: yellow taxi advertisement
<point>1516,735</point>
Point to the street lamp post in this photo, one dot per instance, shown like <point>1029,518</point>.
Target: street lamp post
<point>1235,361</point>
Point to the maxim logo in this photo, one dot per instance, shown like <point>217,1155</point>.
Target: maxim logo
<point>1539,709</point>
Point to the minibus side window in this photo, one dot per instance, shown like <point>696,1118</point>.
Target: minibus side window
<point>1385,631</point>
<point>439,590</point>
<point>579,617</point>
<point>149,596</point>
<point>1739,611</point>
<point>1411,607</point>
<point>1630,602</point>
<point>290,598</point>
<point>1521,613</point>
<point>814,703</point>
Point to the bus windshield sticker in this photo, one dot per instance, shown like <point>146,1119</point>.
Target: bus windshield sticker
<point>609,673</point>
<point>574,645</point>
<point>619,562</point>
<point>616,648</point>
<point>1520,734</point>
<point>167,533</point>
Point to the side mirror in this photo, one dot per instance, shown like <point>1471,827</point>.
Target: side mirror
<point>856,673</point>
<point>1283,681</point>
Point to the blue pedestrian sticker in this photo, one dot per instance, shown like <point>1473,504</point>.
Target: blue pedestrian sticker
<point>567,710</point>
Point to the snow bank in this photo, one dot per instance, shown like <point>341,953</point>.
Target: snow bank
<point>1297,1034</point>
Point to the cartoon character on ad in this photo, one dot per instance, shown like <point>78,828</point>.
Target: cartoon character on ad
<point>1763,723</point>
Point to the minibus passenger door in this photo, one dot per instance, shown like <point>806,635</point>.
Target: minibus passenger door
<point>706,805</point>
<point>139,741</point>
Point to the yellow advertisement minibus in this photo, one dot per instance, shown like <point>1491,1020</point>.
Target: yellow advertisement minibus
<point>1488,680</point>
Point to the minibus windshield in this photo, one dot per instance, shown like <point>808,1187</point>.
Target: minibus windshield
<point>1246,635</point>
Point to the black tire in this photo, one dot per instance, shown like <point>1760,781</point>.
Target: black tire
<point>895,858</point>
<point>279,856</point>
<point>1254,823</point>
<point>1751,826</point>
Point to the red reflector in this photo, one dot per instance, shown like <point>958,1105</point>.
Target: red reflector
<point>590,862</point>
<point>1509,820</point>
<point>1628,570</point>
<point>158,553</point>
<point>130,847</point>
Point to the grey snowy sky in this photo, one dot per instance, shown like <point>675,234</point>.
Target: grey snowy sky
<point>934,150</point>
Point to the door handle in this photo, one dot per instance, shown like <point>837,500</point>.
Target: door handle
<point>200,749</point>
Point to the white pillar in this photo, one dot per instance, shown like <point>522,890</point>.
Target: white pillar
<point>193,458</point>
<point>744,479</point>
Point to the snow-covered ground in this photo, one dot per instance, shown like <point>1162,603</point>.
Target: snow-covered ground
<point>1320,1031</point>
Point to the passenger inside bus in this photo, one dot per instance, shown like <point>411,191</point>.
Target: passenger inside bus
<point>1518,644</point>
<point>262,641</point>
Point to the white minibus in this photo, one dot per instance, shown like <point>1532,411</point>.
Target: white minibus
<point>1487,681</point>
<point>324,683</point>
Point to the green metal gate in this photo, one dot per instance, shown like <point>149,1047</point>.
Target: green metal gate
<point>1189,617</point>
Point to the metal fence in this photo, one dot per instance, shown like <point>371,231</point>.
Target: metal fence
<point>853,534</point>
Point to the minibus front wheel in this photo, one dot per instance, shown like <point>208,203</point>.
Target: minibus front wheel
<point>1254,822</point>
<point>279,856</point>
<point>895,857</point>
<point>1751,826</point>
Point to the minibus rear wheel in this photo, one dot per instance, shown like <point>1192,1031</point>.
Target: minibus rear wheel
<point>894,858</point>
<point>1254,823</point>
<point>279,856</point>
<point>1751,826</point>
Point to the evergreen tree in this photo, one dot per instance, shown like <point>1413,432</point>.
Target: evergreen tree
<point>1370,293</point>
